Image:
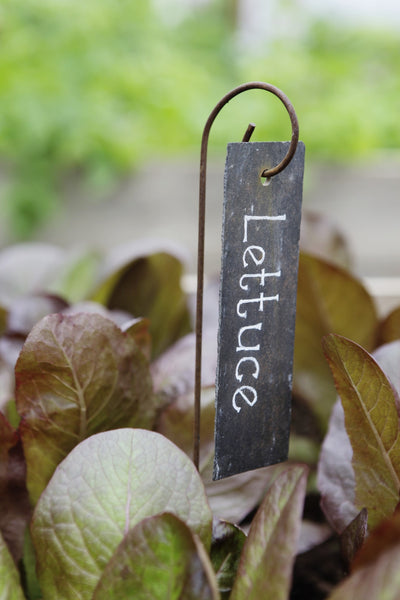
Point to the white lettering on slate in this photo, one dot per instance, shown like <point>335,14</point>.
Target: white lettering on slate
<point>248,218</point>
<point>239,376</point>
<point>246,393</point>
<point>247,338</point>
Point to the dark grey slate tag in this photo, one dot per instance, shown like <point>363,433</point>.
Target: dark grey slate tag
<point>260,249</point>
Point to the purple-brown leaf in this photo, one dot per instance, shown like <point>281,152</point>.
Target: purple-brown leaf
<point>149,286</point>
<point>15,509</point>
<point>329,300</point>
<point>77,375</point>
<point>371,419</point>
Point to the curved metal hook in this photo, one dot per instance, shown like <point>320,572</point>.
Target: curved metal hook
<point>202,201</point>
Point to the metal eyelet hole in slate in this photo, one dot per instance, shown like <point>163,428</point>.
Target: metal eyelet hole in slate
<point>260,252</point>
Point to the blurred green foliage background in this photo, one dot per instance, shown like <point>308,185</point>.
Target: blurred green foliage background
<point>95,88</point>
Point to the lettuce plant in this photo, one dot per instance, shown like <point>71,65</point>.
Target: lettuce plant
<point>99,497</point>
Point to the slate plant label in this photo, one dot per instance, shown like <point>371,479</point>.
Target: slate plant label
<point>260,250</point>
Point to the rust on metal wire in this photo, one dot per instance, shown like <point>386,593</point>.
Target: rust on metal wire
<point>249,132</point>
<point>267,173</point>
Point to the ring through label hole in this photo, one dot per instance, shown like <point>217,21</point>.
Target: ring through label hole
<point>265,180</point>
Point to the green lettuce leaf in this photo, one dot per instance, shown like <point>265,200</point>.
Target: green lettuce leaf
<point>149,286</point>
<point>159,559</point>
<point>106,486</point>
<point>266,563</point>
<point>226,548</point>
<point>10,587</point>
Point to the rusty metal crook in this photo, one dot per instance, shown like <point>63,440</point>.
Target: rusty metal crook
<point>268,173</point>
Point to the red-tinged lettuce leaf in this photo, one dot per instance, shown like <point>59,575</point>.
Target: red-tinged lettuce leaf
<point>15,511</point>
<point>353,537</point>
<point>106,486</point>
<point>234,498</point>
<point>139,330</point>
<point>150,286</point>
<point>173,378</point>
<point>77,375</point>
<point>118,317</point>
<point>10,586</point>
<point>226,549</point>
<point>176,422</point>
<point>159,559</point>
<point>385,536</point>
<point>372,424</point>
<point>266,562</point>
<point>336,479</point>
<point>390,327</point>
<point>329,300</point>
<point>173,372</point>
